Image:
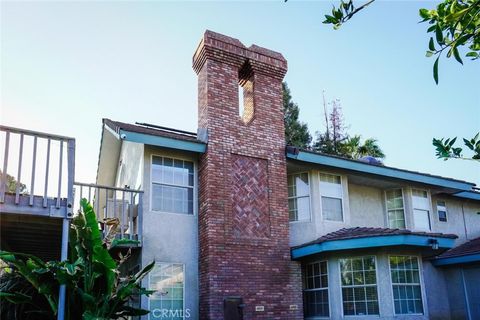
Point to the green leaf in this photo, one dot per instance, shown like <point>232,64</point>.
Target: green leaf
<point>468,144</point>
<point>330,19</point>
<point>452,142</point>
<point>429,54</point>
<point>472,54</point>
<point>435,70</point>
<point>15,298</point>
<point>439,34</point>
<point>431,45</point>
<point>424,13</point>
<point>338,14</point>
<point>457,55</point>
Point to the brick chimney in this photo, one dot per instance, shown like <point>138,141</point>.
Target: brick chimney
<point>243,210</point>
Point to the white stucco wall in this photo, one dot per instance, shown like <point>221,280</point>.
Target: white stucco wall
<point>130,165</point>
<point>171,237</point>
<point>364,206</point>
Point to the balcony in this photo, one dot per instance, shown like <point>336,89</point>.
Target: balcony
<point>39,195</point>
<point>118,210</point>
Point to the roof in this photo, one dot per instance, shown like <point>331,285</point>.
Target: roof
<point>468,252</point>
<point>362,232</point>
<point>157,135</point>
<point>470,247</point>
<point>309,156</point>
<point>364,237</point>
<point>152,130</point>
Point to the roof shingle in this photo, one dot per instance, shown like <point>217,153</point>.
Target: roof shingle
<point>468,248</point>
<point>363,232</point>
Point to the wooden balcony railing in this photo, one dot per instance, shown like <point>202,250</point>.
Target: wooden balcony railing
<point>37,173</point>
<point>119,208</point>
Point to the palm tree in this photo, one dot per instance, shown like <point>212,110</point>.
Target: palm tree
<point>352,148</point>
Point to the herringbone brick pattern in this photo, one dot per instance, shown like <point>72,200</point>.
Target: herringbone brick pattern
<point>250,197</point>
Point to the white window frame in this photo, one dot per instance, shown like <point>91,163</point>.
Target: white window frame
<point>404,206</point>
<point>422,287</point>
<point>428,209</point>
<point>184,280</point>
<point>444,209</point>
<point>376,285</point>
<point>195,183</point>
<point>309,198</point>
<point>327,288</point>
<point>342,198</point>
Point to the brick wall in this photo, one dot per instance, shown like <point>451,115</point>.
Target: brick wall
<point>243,214</point>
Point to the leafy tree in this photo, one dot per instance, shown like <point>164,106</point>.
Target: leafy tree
<point>446,149</point>
<point>95,289</point>
<point>331,140</point>
<point>11,185</point>
<point>455,24</point>
<point>296,132</point>
<point>336,141</point>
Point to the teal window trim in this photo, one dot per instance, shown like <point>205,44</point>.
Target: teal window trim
<point>163,141</point>
<point>370,242</point>
<point>456,260</point>
<point>380,170</point>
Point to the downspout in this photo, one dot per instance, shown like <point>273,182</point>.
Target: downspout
<point>465,293</point>
<point>464,223</point>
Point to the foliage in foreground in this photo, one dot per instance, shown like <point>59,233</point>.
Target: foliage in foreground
<point>446,149</point>
<point>454,23</point>
<point>95,289</point>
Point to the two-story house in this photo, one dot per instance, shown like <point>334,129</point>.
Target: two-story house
<point>242,227</point>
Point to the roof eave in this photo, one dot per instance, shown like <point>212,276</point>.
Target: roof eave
<point>464,259</point>
<point>371,242</point>
<point>161,141</point>
<point>387,172</point>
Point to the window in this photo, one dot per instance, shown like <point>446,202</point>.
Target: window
<point>421,210</point>
<point>172,185</point>
<point>405,275</point>
<point>395,209</point>
<point>167,302</point>
<point>442,211</point>
<point>298,197</point>
<point>359,286</point>
<point>332,194</point>
<point>315,294</point>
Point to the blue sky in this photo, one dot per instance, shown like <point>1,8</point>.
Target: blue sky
<point>67,65</point>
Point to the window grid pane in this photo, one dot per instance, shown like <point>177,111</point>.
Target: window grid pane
<point>168,281</point>
<point>395,210</point>
<point>359,289</point>
<point>298,197</point>
<point>442,211</point>
<point>172,185</point>
<point>315,293</point>
<point>330,178</point>
<point>405,275</point>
